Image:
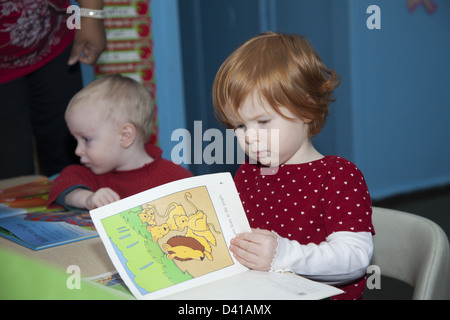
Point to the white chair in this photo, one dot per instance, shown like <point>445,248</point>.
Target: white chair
<point>414,250</point>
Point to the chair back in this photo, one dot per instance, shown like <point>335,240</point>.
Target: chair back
<point>414,250</point>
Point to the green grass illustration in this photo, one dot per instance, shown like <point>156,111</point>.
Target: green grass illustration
<point>145,259</point>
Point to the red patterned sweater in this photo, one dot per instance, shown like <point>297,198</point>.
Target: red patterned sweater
<point>32,34</point>
<point>308,202</point>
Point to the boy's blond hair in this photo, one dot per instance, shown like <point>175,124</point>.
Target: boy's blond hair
<point>119,98</point>
<point>284,70</point>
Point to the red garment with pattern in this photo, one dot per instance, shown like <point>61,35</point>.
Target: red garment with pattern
<point>32,33</point>
<point>308,202</point>
<point>125,183</point>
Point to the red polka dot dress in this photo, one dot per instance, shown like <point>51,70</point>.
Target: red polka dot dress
<point>307,202</point>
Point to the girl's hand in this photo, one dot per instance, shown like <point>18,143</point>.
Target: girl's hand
<point>256,249</point>
<point>101,197</point>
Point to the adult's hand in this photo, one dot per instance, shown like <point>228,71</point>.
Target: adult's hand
<point>89,42</point>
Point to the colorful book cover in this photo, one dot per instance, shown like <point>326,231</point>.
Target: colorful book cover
<point>28,197</point>
<point>39,186</point>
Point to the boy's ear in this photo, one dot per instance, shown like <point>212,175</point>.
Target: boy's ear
<point>127,135</point>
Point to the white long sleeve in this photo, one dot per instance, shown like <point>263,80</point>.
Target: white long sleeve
<point>342,258</point>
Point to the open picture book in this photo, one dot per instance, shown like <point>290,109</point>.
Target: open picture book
<point>172,242</point>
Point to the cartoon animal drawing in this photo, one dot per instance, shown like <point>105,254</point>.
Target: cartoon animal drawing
<point>184,249</point>
<point>158,231</point>
<point>177,218</point>
<point>147,214</point>
<point>199,229</point>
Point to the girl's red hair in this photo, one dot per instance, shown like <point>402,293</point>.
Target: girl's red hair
<point>284,70</point>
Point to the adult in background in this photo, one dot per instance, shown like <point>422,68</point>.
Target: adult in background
<point>39,74</point>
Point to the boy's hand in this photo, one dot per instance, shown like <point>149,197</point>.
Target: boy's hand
<point>101,197</point>
<point>256,249</point>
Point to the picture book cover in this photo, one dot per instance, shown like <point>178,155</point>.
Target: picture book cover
<point>175,236</point>
<point>39,186</point>
<point>41,230</point>
<point>28,197</point>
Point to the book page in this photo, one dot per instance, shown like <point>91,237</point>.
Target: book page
<point>174,237</point>
<point>259,285</point>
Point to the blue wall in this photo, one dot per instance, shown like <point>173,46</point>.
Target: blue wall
<point>210,31</point>
<point>399,95</point>
<point>168,71</point>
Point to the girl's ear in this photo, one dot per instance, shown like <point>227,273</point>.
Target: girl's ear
<point>127,135</point>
